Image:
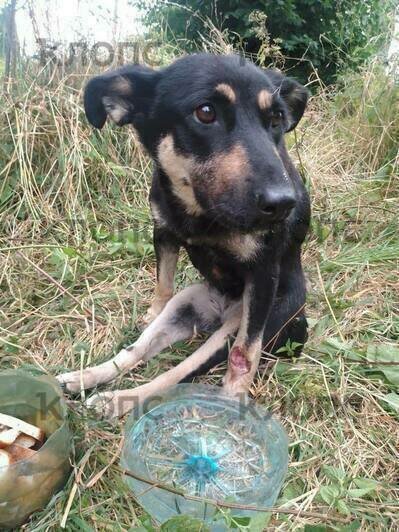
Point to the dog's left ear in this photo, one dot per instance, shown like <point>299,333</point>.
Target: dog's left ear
<point>293,93</point>
<point>125,95</point>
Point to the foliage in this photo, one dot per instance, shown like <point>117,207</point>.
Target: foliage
<point>327,36</point>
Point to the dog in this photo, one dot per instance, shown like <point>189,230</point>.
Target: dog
<point>225,189</point>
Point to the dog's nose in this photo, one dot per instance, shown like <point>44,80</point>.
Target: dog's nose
<point>275,206</point>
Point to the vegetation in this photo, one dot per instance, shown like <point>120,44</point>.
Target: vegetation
<point>75,228</point>
<point>328,36</point>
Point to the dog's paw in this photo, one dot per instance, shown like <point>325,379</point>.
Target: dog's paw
<point>71,382</point>
<point>115,404</point>
<point>105,405</point>
<point>77,381</point>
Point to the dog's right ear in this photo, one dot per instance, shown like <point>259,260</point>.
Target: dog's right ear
<point>125,95</point>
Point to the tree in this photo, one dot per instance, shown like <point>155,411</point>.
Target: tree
<point>10,39</point>
<point>328,35</point>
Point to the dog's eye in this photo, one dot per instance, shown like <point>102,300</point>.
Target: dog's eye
<point>205,113</point>
<point>277,118</point>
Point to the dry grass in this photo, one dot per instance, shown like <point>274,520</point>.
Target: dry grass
<point>73,205</point>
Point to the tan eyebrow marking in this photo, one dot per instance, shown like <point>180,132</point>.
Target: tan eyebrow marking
<point>264,99</point>
<point>227,90</point>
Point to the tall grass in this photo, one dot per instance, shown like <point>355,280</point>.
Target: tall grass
<point>73,212</point>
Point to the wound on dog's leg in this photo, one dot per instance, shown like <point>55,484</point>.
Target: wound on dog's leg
<point>238,360</point>
<point>242,365</point>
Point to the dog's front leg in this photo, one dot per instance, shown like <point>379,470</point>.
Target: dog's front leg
<point>259,295</point>
<point>167,252</point>
<point>188,311</point>
<point>117,403</point>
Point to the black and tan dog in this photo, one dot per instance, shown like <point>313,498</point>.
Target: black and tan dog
<point>225,189</point>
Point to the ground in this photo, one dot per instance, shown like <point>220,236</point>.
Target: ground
<point>77,270</point>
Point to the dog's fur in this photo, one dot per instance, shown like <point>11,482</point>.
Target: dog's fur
<point>228,193</point>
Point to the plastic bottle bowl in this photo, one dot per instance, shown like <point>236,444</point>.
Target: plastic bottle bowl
<point>206,444</point>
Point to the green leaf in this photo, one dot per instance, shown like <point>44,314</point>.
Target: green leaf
<point>237,522</point>
<point>115,247</point>
<point>336,344</point>
<point>131,246</point>
<point>366,483</point>
<point>391,374</point>
<point>10,345</point>
<point>358,492</point>
<point>386,353</point>
<point>184,523</point>
<point>342,507</point>
<point>312,322</point>
<point>364,486</point>
<point>334,473</point>
<point>117,169</point>
<point>294,345</point>
<point>329,494</point>
<point>259,522</point>
<point>296,487</point>
<point>393,400</point>
<point>69,252</point>
<point>146,523</point>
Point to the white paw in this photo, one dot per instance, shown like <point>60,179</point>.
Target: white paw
<point>71,382</point>
<point>110,405</point>
<point>105,404</point>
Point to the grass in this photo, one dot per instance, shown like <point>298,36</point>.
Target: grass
<point>77,270</point>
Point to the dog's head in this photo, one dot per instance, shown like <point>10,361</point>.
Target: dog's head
<point>213,125</point>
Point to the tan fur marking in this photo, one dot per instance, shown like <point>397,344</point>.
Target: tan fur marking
<point>180,169</point>
<point>226,169</point>
<point>122,86</point>
<point>228,91</point>
<point>244,247</point>
<point>246,301</point>
<point>264,99</point>
<point>156,215</point>
<point>114,108</point>
<point>217,175</point>
<point>164,288</point>
<point>166,274</point>
<point>232,165</point>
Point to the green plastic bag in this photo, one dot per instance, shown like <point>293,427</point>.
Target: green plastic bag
<point>28,485</point>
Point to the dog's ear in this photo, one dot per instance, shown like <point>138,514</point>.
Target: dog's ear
<point>293,93</point>
<point>125,95</point>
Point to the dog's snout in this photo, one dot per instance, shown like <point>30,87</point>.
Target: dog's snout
<point>275,205</point>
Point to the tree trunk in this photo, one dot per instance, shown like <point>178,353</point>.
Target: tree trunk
<point>10,41</point>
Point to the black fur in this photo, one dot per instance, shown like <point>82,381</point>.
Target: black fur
<point>161,103</point>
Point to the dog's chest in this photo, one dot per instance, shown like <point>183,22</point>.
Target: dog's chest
<point>219,267</point>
